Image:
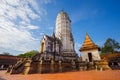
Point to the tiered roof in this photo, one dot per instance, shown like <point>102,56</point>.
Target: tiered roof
<point>88,44</point>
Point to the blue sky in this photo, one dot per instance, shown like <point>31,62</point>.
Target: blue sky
<point>24,22</point>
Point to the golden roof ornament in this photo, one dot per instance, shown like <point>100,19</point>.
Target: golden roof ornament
<point>88,44</point>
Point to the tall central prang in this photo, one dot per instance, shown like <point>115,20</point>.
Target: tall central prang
<point>63,32</point>
<point>60,44</point>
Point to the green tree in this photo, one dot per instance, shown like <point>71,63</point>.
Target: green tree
<point>29,54</point>
<point>110,46</point>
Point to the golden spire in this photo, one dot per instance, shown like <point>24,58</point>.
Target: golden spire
<point>88,44</point>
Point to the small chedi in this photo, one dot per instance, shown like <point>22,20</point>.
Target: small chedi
<point>57,53</point>
<point>90,54</point>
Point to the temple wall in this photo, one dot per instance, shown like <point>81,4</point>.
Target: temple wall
<point>50,67</point>
<point>95,55</point>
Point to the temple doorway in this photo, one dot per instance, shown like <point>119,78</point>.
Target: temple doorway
<point>42,47</point>
<point>90,57</point>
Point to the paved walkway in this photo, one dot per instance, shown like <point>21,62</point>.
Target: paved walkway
<point>80,75</point>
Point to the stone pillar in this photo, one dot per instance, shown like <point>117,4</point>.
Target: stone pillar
<point>2,66</point>
<point>73,65</point>
<point>60,66</point>
<point>118,63</point>
<point>112,64</point>
<point>40,66</point>
<point>27,67</point>
<point>96,67</point>
<point>52,66</point>
<point>101,69</point>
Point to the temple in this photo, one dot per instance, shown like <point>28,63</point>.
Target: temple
<point>90,51</point>
<point>60,45</point>
<point>57,53</point>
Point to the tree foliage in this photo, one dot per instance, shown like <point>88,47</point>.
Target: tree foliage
<point>28,54</point>
<point>110,46</point>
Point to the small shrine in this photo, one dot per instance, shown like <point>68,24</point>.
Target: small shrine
<point>90,55</point>
<point>90,51</point>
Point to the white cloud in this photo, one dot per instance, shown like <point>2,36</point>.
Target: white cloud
<point>15,23</point>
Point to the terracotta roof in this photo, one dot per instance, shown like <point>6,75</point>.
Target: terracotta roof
<point>88,44</point>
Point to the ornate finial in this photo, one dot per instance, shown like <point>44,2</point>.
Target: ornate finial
<point>86,33</point>
<point>62,10</point>
<point>44,33</point>
<point>53,34</point>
